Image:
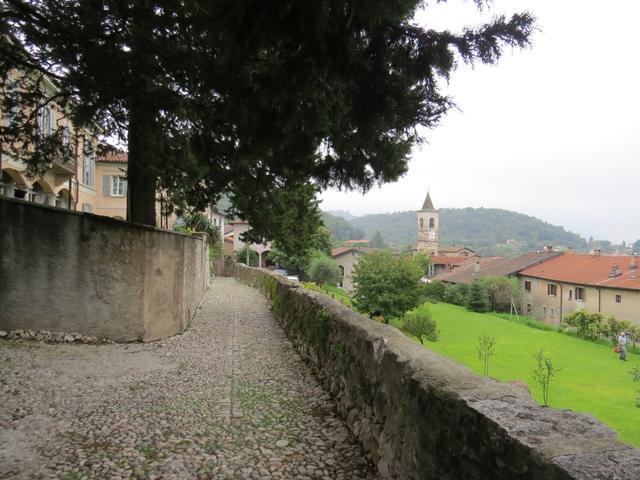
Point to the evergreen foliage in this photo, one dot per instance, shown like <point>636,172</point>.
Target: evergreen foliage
<point>478,298</point>
<point>377,241</point>
<point>249,98</point>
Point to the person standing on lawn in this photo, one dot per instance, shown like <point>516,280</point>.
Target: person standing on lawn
<point>622,343</point>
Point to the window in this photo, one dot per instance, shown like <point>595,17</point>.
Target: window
<point>527,285</point>
<point>88,164</point>
<point>421,224</point>
<point>529,308</point>
<point>118,186</point>
<point>552,290</point>
<point>580,294</point>
<point>570,294</point>
<point>432,223</point>
<point>618,298</point>
<point>46,121</point>
<point>86,207</point>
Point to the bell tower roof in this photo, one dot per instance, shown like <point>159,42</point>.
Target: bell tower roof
<point>428,204</point>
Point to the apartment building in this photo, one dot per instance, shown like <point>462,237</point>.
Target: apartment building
<point>608,284</point>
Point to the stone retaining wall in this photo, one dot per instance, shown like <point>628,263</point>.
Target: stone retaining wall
<point>97,276</point>
<point>422,416</point>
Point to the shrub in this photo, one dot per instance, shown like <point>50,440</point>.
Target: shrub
<point>586,324</point>
<point>419,323</point>
<point>323,270</point>
<point>456,294</point>
<point>434,290</point>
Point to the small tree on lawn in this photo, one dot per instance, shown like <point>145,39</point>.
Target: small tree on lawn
<point>478,299</point>
<point>486,349</point>
<point>543,373</point>
<point>419,323</point>
<point>387,283</point>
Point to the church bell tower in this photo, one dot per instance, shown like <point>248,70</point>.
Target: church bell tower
<point>428,228</point>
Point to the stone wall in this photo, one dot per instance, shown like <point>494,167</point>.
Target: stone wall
<point>74,272</point>
<point>422,416</point>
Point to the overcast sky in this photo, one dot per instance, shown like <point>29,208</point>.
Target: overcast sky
<point>552,131</point>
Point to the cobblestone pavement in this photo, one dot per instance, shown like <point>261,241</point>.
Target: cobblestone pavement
<point>229,399</point>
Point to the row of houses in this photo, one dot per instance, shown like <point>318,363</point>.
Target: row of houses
<point>557,283</point>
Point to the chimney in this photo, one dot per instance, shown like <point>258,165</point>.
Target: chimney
<point>634,262</point>
<point>548,248</point>
<point>476,266</point>
<point>615,271</point>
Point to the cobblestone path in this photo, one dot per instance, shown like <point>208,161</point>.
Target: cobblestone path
<point>229,399</point>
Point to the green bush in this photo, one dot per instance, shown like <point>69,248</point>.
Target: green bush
<point>588,325</point>
<point>434,290</point>
<point>419,323</point>
<point>456,294</point>
<point>323,270</point>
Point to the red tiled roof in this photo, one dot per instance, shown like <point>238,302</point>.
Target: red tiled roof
<point>589,270</point>
<point>495,266</point>
<point>114,157</point>
<point>446,260</point>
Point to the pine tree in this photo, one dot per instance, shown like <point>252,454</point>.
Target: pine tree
<point>249,98</point>
<point>478,298</point>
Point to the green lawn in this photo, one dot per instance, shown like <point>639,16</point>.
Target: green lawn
<point>592,379</point>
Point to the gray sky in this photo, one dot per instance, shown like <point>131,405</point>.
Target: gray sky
<point>552,131</point>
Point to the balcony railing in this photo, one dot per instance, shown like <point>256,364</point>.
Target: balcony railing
<point>65,166</point>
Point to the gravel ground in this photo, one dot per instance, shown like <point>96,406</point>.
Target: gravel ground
<point>229,399</point>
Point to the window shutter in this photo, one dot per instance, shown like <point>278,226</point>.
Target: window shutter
<point>106,185</point>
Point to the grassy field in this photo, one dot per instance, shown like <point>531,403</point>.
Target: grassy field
<point>592,379</point>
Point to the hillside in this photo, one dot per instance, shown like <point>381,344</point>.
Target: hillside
<point>480,228</point>
<point>341,229</point>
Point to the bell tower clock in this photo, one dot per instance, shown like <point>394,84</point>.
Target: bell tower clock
<point>428,228</point>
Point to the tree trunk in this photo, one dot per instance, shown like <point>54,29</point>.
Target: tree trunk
<point>143,135</point>
<point>141,174</point>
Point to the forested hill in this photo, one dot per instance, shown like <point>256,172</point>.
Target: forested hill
<point>480,228</point>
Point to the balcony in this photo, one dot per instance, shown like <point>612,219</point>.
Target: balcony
<point>68,167</point>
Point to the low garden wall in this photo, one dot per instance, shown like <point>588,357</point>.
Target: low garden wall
<point>97,276</point>
<point>423,416</point>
